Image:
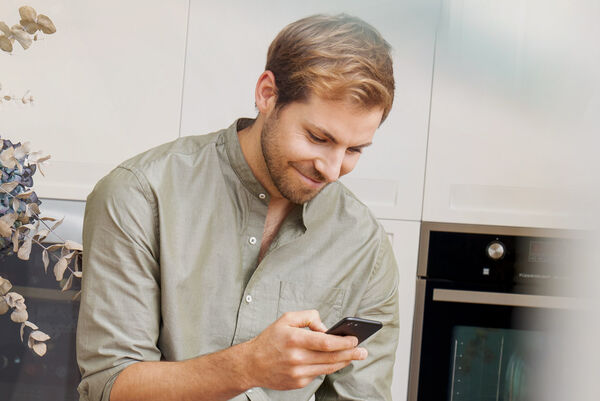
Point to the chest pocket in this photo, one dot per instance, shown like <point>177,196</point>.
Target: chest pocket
<point>296,297</point>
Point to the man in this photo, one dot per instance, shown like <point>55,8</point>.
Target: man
<point>214,264</point>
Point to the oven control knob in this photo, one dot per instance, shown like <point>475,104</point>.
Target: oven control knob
<point>496,250</point>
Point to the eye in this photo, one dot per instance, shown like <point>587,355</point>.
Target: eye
<point>354,150</point>
<point>315,138</point>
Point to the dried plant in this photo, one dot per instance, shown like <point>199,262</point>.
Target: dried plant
<point>25,33</point>
<point>20,223</point>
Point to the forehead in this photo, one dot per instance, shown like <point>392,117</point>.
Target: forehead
<point>344,120</point>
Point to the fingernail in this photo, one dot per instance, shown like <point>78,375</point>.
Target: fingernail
<point>362,353</point>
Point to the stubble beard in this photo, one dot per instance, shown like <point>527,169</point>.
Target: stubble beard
<point>277,166</point>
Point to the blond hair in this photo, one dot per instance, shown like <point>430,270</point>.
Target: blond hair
<point>334,57</point>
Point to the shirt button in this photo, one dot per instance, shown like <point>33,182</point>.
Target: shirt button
<point>248,298</point>
<point>262,196</point>
<point>252,240</point>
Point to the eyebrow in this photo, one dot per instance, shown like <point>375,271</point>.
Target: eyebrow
<point>332,138</point>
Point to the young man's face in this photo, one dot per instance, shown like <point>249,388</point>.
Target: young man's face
<point>310,144</point>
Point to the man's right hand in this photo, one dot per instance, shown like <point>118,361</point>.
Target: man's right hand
<point>286,356</point>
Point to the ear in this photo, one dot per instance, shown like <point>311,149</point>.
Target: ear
<point>265,95</point>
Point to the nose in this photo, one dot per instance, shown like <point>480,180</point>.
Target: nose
<point>330,165</point>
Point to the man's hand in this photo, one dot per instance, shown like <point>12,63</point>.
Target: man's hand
<point>286,356</point>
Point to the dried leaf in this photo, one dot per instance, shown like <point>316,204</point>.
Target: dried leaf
<point>4,28</point>
<point>3,306</point>
<point>76,296</point>
<point>28,324</point>
<point>6,44</point>
<point>13,299</point>
<point>78,274</point>
<point>25,249</point>
<point>58,223</point>
<point>5,286</point>
<point>46,24</point>
<point>42,234</point>
<point>25,195</point>
<point>30,26</point>
<point>8,186</point>
<point>21,36</point>
<point>54,247</point>
<point>7,157</point>
<point>15,241</point>
<point>39,335</point>
<point>73,246</point>
<point>27,13</point>
<point>68,284</point>
<point>60,267</point>
<point>32,209</point>
<point>45,260</point>
<point>40,348</point>
<point>19,315</point>
<point>5,229</point>
<point>16,204</point>
<point>45,218</point>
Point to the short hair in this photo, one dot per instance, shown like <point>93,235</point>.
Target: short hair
<point>337,57</point>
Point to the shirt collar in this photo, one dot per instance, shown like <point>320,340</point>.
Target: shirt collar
<point>238,161</point>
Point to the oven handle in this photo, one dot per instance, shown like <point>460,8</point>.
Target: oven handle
<point>506,299</point>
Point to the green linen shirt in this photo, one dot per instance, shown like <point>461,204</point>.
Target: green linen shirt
<point>171,270</point>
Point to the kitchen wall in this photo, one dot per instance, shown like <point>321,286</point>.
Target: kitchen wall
<point>494,103</point>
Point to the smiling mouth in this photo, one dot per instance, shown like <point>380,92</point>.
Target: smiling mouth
<point>310,181</point>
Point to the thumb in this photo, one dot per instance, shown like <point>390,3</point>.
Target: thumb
<point>306,318</point>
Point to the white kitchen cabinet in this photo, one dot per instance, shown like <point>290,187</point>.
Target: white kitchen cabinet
<point>107,85</point>
<point>514,88</point>
<point>404,236</point>
<point>226,53</point>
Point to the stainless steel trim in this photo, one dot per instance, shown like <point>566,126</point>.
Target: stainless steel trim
<point>45,293</point>
<point>415,352</point>
<point>423,250</point>
<point>500,230</point>
<point>506,299</point>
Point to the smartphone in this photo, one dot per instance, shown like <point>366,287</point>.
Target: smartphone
<point>355,326</point>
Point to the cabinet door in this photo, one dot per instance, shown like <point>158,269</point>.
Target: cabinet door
<point>227,47</point>
<point>404,236</point>
<point>515,91</point>
<point>107,85</point>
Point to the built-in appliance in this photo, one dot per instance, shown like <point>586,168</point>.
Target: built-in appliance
<point>25,376</point>
<point>488,300</point>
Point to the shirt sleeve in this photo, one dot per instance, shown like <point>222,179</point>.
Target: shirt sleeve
<point>119,315</point>
<point>371,379</point>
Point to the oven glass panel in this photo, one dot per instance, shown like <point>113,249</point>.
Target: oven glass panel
<point>491,364</point>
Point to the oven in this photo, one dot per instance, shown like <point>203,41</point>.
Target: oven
<point>489,301</point>
<point>24,376</point>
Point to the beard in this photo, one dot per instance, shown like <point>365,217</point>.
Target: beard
<point>281,170</point>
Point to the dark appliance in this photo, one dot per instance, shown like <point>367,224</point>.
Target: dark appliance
<point>488,301</point>
<point>25,376</point>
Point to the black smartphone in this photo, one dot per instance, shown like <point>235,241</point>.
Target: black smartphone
<point>355,326</point>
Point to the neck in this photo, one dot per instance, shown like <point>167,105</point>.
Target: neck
<point>249,138</point>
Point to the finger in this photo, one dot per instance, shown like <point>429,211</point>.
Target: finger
<point>306,318</point>
<point>318,357</point>
<point>323,369</point>
<point>324,342</point>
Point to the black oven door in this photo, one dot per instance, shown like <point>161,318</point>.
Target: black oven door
<point>480,345</point>
<point>25,376</point>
